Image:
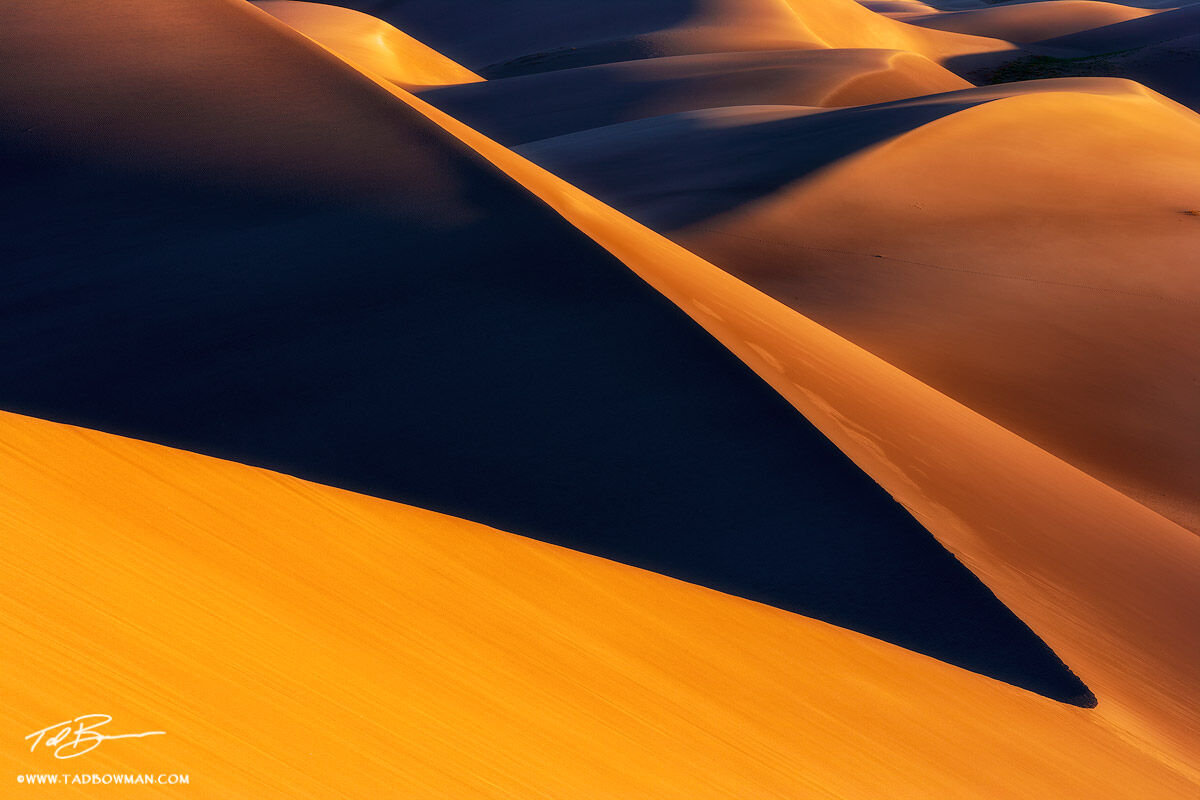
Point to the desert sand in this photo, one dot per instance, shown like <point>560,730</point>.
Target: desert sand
<point>239,238</point>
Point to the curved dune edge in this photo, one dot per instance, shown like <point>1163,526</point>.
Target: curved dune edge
<point>1055,558</point>
<point>370,42</point>
<point>304,641</point>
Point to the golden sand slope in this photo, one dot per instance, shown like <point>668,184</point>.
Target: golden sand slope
<point>371,43</point>
<point>295,640</point>
<point>1030,22</point>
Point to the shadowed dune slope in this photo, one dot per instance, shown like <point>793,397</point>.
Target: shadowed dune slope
<point>1106,580</point>
<point>529,107</point>
<point>971,218</point>
<point>382,310</point>
<point>294,640</point>
<point>370,43</point>
<point>528,36</point>
<point>1030,22</point>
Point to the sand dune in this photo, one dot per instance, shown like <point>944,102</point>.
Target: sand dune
<point>226,328</point>
<point>296,640</point>
<point>530,107</point>
<point>383,311</point>
<point>529,36</point>
<point>1056,336</point>
<point>1030,22</point>
<point>1052,541</point>
<point>370,43</point>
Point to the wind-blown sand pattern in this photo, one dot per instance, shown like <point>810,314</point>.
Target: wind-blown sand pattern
<point>857,520</point>
<point>337,645</point>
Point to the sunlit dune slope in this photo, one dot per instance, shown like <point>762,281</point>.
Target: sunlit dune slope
<point>987,218</point>
<point>529,107</point>
<point>370,42</point>
<point>1109,583</point>
<point>296,640</point>
<point>528,36</point>
<point>304,273</point>
<point>1030,22</point>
